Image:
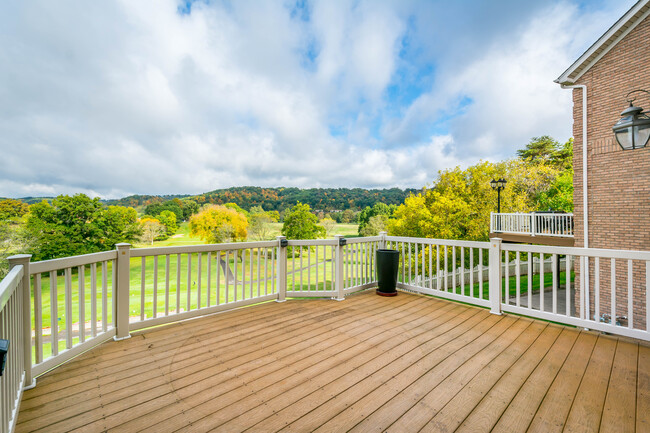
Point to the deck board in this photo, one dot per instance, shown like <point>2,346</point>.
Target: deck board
<point>411,363</point>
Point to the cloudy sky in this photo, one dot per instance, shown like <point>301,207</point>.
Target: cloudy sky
<point>171,97</point>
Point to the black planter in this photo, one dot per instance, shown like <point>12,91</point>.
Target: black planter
<point>387,268</point>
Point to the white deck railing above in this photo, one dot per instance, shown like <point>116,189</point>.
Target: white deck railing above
<point>533,224</point>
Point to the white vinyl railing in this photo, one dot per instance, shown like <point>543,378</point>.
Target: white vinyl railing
<point>449,269</point>
<point>14,328</point>
<point>54,310</point>
<point>533,224</point>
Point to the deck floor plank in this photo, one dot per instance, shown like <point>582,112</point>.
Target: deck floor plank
<point>506,353</point>
<point>487,412</point>
<point>620,404</point>
<point>522,408</point>
<point>643,390</point>
<point>299,378</point>
<point>201,400</point>
<point>411,363</point>
<point>422,342</point>
<point>587,407</point>
<point>224,368</point>
<point>553,410</point>
<point>448,375</point>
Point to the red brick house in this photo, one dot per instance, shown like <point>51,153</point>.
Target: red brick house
<point>612,185</point>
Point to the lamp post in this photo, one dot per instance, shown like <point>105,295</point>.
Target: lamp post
<point>498,185</point>
<point>632,131</point>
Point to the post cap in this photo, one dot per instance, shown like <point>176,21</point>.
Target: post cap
<point>19,258</point>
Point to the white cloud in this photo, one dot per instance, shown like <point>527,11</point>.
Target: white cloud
<point>133,97</point>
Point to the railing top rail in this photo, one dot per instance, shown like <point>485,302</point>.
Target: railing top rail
<point>541,214</point>
<point>362,240</point>
<point>311,242</point>
<point>579,251</point>
<point>68,262</point>
<point>510,213</point>
<point>451,243</point>
<point>9,283</point>
<point>187,249</point>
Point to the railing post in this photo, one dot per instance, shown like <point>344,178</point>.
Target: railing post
<point>17,260</point>
<point>533,224</point>
<point>282,269</point>
<point>491,222</point>
<point>340,290</point>
<point>122,288</point>
<point>495,276</point>
<point>382,242</point>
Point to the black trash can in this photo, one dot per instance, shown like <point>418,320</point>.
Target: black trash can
<point>387,268</point>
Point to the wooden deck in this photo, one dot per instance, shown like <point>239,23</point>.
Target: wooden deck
<point>369,363</point>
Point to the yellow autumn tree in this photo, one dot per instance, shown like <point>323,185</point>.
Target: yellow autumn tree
<point>217,224</point>
<point>459,203</point>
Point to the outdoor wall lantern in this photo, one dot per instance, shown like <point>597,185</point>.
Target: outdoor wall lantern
<point>4,348</point>
<point>633,130</point>
<point>498,185</point>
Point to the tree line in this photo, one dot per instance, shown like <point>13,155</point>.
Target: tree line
<point>281,199</point>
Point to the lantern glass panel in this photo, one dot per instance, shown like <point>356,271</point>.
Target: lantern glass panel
<point>624,138</point>
<point>641,135</point>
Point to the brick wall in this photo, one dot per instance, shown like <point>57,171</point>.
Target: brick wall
<point>618,181</point>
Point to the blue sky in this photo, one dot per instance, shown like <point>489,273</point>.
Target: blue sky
<point>117,98</point>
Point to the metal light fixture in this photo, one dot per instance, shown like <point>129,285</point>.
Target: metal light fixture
<point>498,185</point>
<point>632,131</point>
<point>4,349</point>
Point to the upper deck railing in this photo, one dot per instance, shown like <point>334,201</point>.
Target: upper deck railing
<point>54,310</point>
<point>533,224</point>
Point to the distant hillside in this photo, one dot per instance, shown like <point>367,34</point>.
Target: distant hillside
<point>326,199</point>
<point>32,200</point>
<point>142,200</point>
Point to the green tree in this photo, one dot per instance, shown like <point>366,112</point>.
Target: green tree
<point>375,225</point>
<point>260,224</point>
<point>348,216</point>
<point>13,240</point>
<point>300,223</point>
<point>217,224</point>
<point>559,196</point>
<point>189,207</point>
<point>274,215</point>
<point>563,156</point>
<point>369,212</point>
<point>10,208</point>
<point>156,209</point>
<point>539,149</point>
<point>168,219</point>
<point>78,225</point>
<point>547,150</point>
<point>117,224</point>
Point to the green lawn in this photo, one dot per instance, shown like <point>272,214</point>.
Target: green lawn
<point>475,289</point>
<point>183,237</point>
